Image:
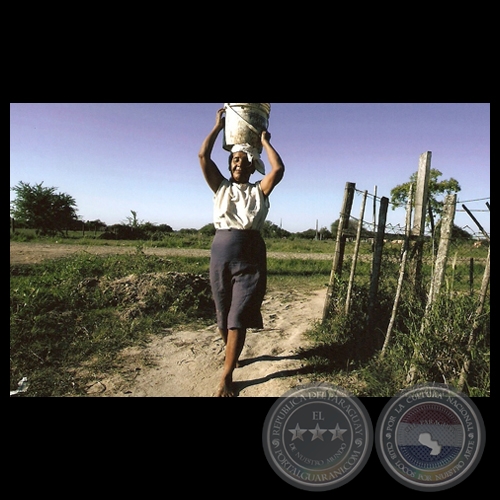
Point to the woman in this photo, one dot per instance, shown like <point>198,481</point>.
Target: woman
<point>238,257</point>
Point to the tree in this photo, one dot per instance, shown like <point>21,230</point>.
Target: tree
<point>308,234</point>
<point>164,228</point>
<point>457,233</point>
<point>133,221</point>
<point>96,225</point>
<point>43,209</point>
<point>271,230</point>
<point>352,231</point>
<point>324,233</point>
<point>399,194</point>
<point>208,229</point>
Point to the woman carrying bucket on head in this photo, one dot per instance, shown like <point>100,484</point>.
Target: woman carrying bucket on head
<point>238,269</point>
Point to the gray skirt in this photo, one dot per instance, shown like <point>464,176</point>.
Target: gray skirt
<point>238,276</point>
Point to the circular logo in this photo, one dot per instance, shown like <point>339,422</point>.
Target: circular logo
<point>430,437</point>
<point>317,437</point>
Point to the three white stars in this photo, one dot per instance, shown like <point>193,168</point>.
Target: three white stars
<point>317,433</point>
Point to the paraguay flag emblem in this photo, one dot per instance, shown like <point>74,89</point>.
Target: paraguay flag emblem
<point>430,436</point>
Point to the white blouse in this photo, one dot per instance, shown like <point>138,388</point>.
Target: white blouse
<point>240,206</point>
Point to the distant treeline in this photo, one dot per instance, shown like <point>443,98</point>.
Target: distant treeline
<point>133,230</point>
<point>156,232</point>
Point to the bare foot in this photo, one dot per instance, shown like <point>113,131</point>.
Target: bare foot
<point>226,389</point>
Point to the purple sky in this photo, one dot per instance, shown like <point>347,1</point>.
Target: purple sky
<point>114,158</point>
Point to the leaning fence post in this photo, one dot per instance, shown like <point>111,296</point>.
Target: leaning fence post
<point>479,312</point>
<point>355,254</point>
<point>377,260</point>
<point>438,276</point>
<point>338,256</point>
<point>402,267</point>
<point>471,276</point>
<point>444,245</point>
<point>486,235</point>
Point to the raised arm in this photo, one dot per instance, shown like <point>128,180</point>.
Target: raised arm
<point>270,180</point>
<point>210,170</point>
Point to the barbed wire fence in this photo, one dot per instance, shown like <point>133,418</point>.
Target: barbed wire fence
<point>428,252</point>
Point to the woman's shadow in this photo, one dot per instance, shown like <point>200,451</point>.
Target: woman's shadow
<point>324,358</point>
<point>243,384</point>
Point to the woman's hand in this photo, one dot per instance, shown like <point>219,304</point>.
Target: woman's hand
<point>271,179</point>
<point>220,120</point>
<point>210,170</point>
<point>265,137</point>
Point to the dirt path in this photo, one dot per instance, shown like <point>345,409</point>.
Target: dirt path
<point>189,363</point>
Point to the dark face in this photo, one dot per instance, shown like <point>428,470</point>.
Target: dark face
<point>241,169</point>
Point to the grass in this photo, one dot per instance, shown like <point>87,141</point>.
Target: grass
<point>306,275</point>
<point>69,311</point>
<point>82,310</point>
<point>348,353</point>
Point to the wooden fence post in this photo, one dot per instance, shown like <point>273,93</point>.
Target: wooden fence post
<point>404,258</point>
<point>438,275</point>
<point>444,246</point>
<point>421,193</point>
<point>421,200</point>
<point>355,253</point>
<point>486,235</point>
<point>478,313</point>
<point>471,276</point>
<point>338,257</point>
<point>377,260</point>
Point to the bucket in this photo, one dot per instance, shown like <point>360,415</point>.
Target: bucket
<point>245,122</point>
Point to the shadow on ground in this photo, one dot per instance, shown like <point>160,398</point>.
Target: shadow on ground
<point>321,359</point>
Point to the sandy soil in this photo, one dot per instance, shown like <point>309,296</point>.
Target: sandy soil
<point>189,363</point>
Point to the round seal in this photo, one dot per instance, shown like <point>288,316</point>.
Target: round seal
<point>430,437</point>
<point>317,437</point>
